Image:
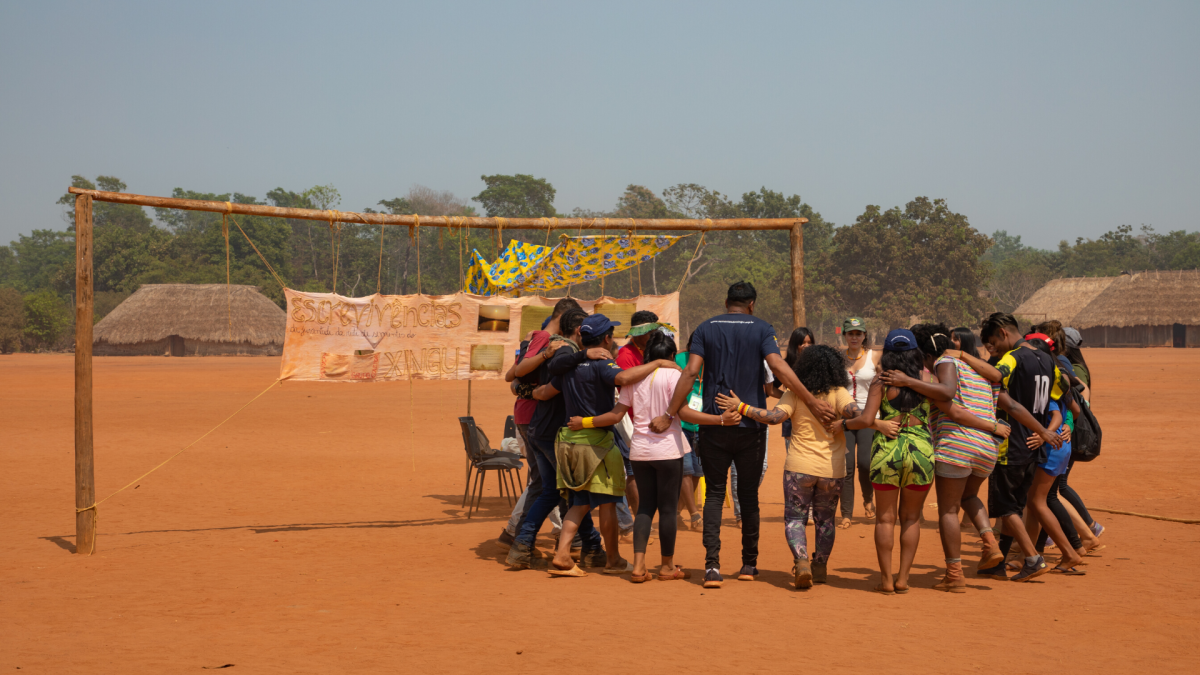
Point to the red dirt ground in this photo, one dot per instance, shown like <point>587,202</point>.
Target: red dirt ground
<point>315,533</point>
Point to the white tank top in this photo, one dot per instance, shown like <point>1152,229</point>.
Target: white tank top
<point>860,382</point>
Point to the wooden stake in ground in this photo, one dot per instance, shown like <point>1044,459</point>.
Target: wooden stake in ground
<point>85,485</point>
<point>797,241</point>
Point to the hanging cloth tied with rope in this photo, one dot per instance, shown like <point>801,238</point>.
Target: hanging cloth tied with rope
<point>573,260</point>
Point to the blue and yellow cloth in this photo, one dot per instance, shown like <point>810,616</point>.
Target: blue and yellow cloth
<point>574,260</point>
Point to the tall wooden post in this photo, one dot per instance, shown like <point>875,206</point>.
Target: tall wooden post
<point>797,241</point>
<point>85,485</point>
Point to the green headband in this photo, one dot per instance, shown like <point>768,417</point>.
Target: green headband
<point>642,329</point>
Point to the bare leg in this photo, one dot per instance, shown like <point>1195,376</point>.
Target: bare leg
<point>949,495</point>
<point>911,504</point>
<point>1086,535</point>
<point>612,535</point>
<point>631,494</point>
<point>570,526</point>
<point>886,502</point>
<point>1045,517</point>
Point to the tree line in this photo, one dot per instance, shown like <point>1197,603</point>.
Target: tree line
<point>892,267</point>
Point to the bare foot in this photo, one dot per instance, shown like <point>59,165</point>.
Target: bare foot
<point>845,524</point>
<point>562,562</point>
<point>869,508</point>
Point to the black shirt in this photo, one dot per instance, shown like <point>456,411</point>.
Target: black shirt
<point>589,389</point>
<point>733,347</point>
<point>550,416</point>
<point>1031,378</point>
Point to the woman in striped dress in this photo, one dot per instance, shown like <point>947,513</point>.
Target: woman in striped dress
<point>965,431</point>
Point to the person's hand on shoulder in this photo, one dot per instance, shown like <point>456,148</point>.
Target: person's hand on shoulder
<point>668,363</point>
<point>598,354</point>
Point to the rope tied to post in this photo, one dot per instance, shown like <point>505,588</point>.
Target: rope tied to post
<point>93,507</point>
<point>270,269</point>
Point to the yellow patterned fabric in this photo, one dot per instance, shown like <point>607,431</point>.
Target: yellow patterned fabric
<point>575,260</point>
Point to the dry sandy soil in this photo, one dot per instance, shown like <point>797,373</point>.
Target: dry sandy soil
<point>316,532</point>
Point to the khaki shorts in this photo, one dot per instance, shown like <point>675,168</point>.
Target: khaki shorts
<point>946,470</point>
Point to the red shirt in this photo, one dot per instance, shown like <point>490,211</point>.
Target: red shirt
<point>629,356</point>
<point>524,407</point>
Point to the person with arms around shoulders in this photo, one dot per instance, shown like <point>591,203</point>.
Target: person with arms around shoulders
<point>816,457</point>
<point>591,467</point>
<point>658,458</point>
<point>731,348</point>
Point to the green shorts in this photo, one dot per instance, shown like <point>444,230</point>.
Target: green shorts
<point>902,462</point>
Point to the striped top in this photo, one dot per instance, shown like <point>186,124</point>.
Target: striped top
<point>955,443</point>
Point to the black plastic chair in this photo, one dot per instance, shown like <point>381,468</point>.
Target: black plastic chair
<point>480,462</point>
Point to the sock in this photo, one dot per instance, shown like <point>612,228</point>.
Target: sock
<point>1031,559</point>
<point>1006,543</point>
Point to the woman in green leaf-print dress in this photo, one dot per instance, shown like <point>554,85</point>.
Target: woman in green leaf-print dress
<point>901,459</point>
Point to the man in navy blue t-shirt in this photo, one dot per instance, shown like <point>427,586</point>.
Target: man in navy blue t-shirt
<point>731,349</point>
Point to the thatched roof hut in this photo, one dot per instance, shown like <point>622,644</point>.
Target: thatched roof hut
<point>1155,298</point>
<point>192,320</point>
<point>1062,299</point>
<point>1140,309</point>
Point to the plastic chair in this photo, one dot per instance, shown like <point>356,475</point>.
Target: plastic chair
<point>479,463</point>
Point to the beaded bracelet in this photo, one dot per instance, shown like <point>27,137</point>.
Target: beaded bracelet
<point>743,409</point>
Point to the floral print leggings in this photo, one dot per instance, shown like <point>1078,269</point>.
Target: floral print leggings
<point>802,493</point>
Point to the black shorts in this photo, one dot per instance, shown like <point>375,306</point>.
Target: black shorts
<point>1008,489</point>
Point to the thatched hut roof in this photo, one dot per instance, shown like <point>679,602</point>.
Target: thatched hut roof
<point>1063,299</point>
<point>193,312</point>
<point>1155,298</point>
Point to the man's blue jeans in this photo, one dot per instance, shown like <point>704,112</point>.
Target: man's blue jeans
<point>549,498</point>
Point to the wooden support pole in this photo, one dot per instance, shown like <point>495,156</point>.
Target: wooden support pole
<point>573,224</point>
<point>85,485</point>
<point>797,246</point>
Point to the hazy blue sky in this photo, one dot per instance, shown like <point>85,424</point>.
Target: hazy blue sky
<point>1050,120</point>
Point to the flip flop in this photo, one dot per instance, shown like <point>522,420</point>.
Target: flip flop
<point>901,591</point>
<point>845,524</point>
<point>640,579</point>
<point>1098,547</point>
<point>869,509</point>
<point>679,574</point>
<point>620,569</point>
<point>1067,571</point>
<point>880,589</point>
<point>573,572</point>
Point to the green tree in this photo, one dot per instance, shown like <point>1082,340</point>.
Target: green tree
<point>46,319</point>
<point>920,262</point>
<point>44,259</point>
<point>1018,271</point>
<point>12,320</point>
<point>519,196</point>
<point>127,216</point>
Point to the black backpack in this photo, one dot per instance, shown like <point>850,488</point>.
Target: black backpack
<point>1085,439</point>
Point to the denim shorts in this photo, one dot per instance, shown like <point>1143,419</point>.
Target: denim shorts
<point>691,461</point>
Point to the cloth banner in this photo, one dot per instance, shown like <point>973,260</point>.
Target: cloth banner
<point>574,260</point>
<point>333,338</point>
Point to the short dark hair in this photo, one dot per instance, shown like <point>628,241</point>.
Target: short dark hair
<point>660,346</point>
<point>595,339</point>
<point>996,322</point>
<point>741,293</point>
<point>570,321</point>
<point>563,305</point>
<point>643,316</point>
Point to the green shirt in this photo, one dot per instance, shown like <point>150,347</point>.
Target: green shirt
<point>681,358</point>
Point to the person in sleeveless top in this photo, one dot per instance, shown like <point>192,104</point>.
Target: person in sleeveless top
<point>863,364</point>
<point>965,430</point>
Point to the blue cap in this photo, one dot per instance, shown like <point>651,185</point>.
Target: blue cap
<point>900,340</point>
<point>596,325</point>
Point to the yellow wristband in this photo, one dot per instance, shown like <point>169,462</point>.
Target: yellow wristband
<point>587,422</point>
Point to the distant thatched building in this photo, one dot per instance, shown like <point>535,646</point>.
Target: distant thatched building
<point>1142,309</point>
<point>192,320</point>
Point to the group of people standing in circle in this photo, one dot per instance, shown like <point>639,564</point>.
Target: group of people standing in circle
<point>934,408</point>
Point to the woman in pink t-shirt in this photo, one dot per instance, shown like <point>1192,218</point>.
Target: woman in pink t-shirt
<point>657,458</point>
